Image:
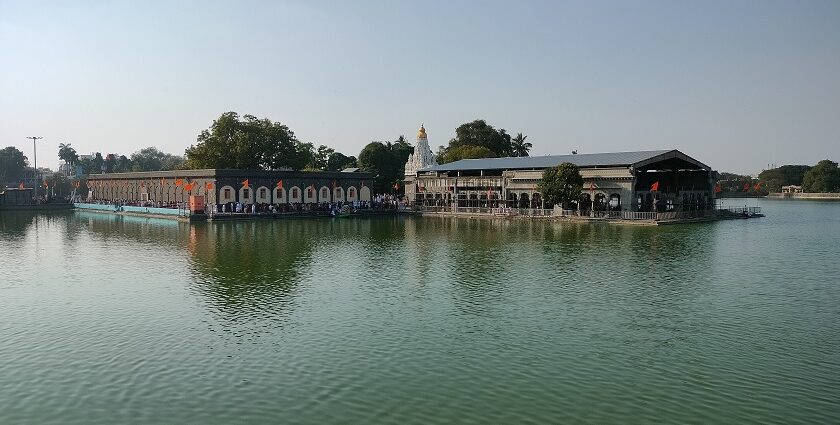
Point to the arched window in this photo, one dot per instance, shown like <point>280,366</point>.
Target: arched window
<point>310,193</point>
<point>295,193</point>
<point>351,192</point>
<point>263,192</point>
<point>325,194</point>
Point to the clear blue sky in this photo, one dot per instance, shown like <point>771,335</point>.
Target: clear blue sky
<point>737,84</point>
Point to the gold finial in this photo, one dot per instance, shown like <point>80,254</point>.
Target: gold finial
<point>421,134</point>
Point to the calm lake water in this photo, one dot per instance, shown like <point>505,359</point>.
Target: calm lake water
<point>108,319</point>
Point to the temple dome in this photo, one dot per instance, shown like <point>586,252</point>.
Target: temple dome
<point>421,134</point>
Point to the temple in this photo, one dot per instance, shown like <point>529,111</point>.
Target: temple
<point>422,157</point>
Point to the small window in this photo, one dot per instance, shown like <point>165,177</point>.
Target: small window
<point>294,193</point>
<point>325,193</point>
<point>351,192</point>
<point>310,193</point>
<point>262,192</point>
<point>246,193</point>
<point>227,193</point>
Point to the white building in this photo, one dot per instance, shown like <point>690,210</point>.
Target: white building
<point>422,156</point>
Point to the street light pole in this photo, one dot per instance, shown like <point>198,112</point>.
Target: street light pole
<point>35,159</point>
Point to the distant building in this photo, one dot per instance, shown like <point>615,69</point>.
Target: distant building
<point>422,157</point>
<point>220,186</point>
<point>621,181</point>
<point>792,189</point>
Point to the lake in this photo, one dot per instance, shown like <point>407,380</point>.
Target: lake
<point>406,320</point>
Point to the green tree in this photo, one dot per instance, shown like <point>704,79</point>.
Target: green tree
<point>457,153</point>
<point>561,185</point>
<point>59,185</point>
<point>479,133</point>
<point>378,158</point>
<point>519,147</point>
<point>67,154</point>
<point>338,161</point>
<point>152,159</point>
<point>248,143</point>
<point>12,164</point>
<point>322,155</point>
<point>786,175</point>
<point>823,177</point>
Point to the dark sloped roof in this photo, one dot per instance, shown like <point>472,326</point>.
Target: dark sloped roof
<point>616,159</point>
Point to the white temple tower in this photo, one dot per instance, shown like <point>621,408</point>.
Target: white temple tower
<point>422,156</point>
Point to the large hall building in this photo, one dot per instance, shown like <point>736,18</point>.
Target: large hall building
<point>660,180</point>
<point>220,186</point>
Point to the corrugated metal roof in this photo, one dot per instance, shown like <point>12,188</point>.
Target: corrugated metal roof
<point>615,159</point>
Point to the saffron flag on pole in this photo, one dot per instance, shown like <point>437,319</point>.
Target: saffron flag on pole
<point>718,188</point>
<point>654,187</point>
<point>758,186</point>
<point>280,184</point>
<point>246,184</point>
<point>208,185</point>
<point>20,186</point>
<point>179,182</point>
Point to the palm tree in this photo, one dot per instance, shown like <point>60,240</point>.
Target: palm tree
<point>68,154</point>
<point>519,145</point>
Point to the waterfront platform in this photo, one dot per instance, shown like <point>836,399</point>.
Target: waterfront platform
<point>184,215</point>
<point>609,217</point>
<point>806,196</point>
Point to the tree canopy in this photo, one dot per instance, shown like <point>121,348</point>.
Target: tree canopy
<point>67,153</point>
<point>785,175</point>
<point>386,160</point>
<point>477,139</point>
<point>248,143</point>
<point>561,185</point>
<point>12,164</point>
<point>823,177</point>
<point>457,153</point>
<point>152,159</point>
<point>518,145</point>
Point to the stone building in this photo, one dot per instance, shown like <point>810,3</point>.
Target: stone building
<point>221,186</point>
<point>621,181</point>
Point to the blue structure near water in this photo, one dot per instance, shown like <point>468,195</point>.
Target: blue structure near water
<point>132,209</point>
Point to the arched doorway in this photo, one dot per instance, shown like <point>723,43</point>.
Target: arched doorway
<point>600,202</point>
<point>524,200</point>
<point>536,201</point>
<point>585,203</point>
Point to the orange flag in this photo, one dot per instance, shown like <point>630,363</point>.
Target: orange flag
<point>718,189</point>
<point>208,185</point>
<point>758,186</point>
<point>162,181</point>
<point>20,186</point>
<point>246,183</point>
<point>654,187</point>
<point>46,184</point>
<point>179,182</point>
<point>280,184</point>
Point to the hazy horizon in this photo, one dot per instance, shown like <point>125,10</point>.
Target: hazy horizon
<point>736,85</point>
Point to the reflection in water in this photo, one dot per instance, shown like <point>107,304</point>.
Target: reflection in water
<point>482,321</point>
